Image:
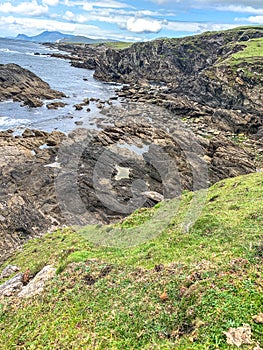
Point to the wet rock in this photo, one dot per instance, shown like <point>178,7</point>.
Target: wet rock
<point>86,101</point>
<point>28,133</point>
<point>93,99</point>
<point>33,102</point>
<point>56,105</point>
<point>22,85</point>
<point>78,107</point>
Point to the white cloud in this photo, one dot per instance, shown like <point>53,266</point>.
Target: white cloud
<point>196,27</point>
<point>241,9</point>
<point>70,16</point>
<point>90,5</point>
<point>50,2</point>
<point>25,8</point>
<point>210,3</point>
<point>111,4</point>
<point>143,25</point>
<point>32,26</point>
<point>254,19</point>
<point>103,15</point>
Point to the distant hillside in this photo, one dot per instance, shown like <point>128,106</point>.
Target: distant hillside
<point>55,36</point>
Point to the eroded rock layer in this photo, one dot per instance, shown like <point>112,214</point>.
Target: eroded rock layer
<point>22,85</point>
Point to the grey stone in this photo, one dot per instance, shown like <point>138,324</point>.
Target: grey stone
<point>12,286</point>
<point>37,284</point>
<point>9,270</point>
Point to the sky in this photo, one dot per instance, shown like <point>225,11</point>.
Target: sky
<point>127,20</point>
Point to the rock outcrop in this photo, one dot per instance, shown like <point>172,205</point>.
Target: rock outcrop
<point>194,75</point>
<point>196,67</point>
<point>23,286</point>
<point>21,85</point>
<point>49,180</point>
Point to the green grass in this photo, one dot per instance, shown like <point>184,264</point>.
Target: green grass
<point>251,53</point>
<point>109,297</point>
<point>253,48</point>
<point>120,45</point>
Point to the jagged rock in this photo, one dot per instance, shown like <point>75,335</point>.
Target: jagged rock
<point>8,271</point>
<point>33,102</point>
<point>189,67</point>
<point>86,101</point>
<point>12,286</point>
<point>189,76</point>
<point>56,105</point>
<point>86,189</point>
<point>78,107</point>
<point>155,196</point>
<point>28,133</point>
<point>27,187</point>
<point>37,284</point>
<point>20,84</point>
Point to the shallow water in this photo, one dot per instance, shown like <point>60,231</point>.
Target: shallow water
<point>76,83</point>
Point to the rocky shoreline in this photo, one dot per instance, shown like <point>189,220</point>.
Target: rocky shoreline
<point>177,129</point>
<point>47,179</point>
<point>21,85</point>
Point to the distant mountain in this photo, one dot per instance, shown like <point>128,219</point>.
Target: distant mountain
<point>52,37</point>
<point>44,37</point>
<point>84,39</point>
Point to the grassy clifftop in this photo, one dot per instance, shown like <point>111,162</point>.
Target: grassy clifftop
<point>179,290</point>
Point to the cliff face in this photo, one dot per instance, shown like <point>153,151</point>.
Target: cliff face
<point>202,67</point>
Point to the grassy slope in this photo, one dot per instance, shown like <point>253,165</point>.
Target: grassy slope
<point>120,45</point>
<point>109,298</point>
<point>251,53</point>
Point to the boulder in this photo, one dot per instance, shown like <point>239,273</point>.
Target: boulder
<point>56,105</point>
<point>8,271</point>
<point>12,286</point>
<point>37,284</point>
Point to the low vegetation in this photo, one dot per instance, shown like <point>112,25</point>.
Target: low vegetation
<point>118,45</point>
<point>251,53</point>
<point>180,289</point>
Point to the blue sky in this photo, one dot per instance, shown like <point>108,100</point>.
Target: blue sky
<point>125,19</point>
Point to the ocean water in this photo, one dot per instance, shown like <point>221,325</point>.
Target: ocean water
<point>76,83</point>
